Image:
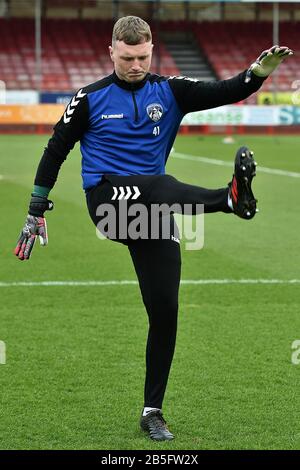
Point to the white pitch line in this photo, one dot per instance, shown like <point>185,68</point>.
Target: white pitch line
<point>125,282</point>
<point>66,283</point>
<point>214,161</point>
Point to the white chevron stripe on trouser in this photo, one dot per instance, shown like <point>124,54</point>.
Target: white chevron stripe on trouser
<point>126,192</point>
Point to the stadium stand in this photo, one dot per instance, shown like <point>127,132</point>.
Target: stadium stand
<point>75,51</point>
<point>187,55</point>
<point>230,48</point>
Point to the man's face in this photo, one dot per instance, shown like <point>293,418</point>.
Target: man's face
<point>131,63</point>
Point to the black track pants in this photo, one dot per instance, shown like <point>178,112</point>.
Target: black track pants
<point>157,264</point>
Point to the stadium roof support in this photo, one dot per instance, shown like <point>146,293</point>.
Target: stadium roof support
<point>38,45</point>
<point>275,41</point>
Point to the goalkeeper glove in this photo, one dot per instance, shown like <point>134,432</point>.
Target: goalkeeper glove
<point>35,225</point>
<point>267,62</point>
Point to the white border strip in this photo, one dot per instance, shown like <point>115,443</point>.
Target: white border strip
<point>214,161</point>
<point>125,282</point>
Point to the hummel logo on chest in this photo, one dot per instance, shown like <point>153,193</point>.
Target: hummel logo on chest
<point>112,116</point>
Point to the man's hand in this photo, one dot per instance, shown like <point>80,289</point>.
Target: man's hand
<point>35,225</point>
<point>267,62</point>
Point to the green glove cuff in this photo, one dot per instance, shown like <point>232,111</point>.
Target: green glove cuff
<point>40,191</point>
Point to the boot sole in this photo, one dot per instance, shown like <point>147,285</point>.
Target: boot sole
<point>245,171</point>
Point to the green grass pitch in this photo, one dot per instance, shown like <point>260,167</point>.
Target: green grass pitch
<point>74,371</point>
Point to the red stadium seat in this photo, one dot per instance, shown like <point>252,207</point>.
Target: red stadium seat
<point>75,52</point>
<point>231,48</point>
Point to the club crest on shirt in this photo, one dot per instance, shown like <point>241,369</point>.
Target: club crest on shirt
<point>155,111</point>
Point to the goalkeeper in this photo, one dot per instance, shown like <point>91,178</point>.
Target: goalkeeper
<point>126,124</point>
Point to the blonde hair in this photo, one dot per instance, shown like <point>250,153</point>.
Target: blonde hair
<point>132,30</point>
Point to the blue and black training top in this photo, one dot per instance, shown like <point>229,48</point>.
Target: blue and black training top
<point>129,128</point>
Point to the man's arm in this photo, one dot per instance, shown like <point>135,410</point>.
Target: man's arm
<point>67,132</point>
<point>192,95</point>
